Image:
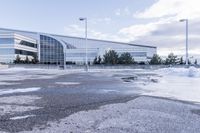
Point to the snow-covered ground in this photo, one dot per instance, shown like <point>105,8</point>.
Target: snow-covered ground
<point>15,104</point>
<point>18,74</point>
<point>176,83</point>
<point>67,83</point>
<point>143,114</point>
<point>22,90</point>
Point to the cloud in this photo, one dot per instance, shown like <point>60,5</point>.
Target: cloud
<point>118,12</point>
<point>162,28</point>
<point>170,34</point>
<point>136,31</point>
<point>105,20</point>
<point>176,8</point>
<point>123,12</point>
<point>76,30</point>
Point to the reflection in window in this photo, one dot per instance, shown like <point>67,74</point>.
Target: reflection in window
<point>51,51</point>
<point>6,51</point>
<point>6,40</point>
<point>29,44</point>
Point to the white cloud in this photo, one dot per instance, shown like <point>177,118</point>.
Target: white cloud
<point>76,30</point>
<point>118,12</point>
<point>123,12</point>
<point>176,8</point>
<point>165,31</point>
<point>105,20</point>
<point>169,35</point>
<point>135,31</point>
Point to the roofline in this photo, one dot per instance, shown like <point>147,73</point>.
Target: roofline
<point>79,38</point>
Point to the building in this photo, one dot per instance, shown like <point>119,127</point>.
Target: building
<point>60,50</point>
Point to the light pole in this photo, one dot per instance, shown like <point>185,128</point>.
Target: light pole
<point>186,39</point>
<point>86,49</point>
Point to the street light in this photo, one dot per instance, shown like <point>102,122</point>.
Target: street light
<point>86,50</point>
<point>186,41</point>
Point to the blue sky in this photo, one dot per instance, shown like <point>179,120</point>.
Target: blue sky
<point>54,15</point>
<point>153,22</point>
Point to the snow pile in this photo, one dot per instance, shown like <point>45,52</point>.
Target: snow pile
<point>10,91</point>
<point>176,83</point>
<point>67,83</point>
<point>193,72</point>
<point>188,72</point>
<point>22,117</point>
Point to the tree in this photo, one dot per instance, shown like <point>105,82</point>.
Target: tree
<point>18,59</point>
<point>111,57</point>
<point>27,60</point>
<point>156,60</point>
<point>95,61</point>
<point>195,62</point>
<point>99,60</point>
<point>181,61</point>
<point>35,59</point>
<point>126,58</point>
<point>171,59</point>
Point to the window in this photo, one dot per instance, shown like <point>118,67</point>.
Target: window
<point>6,51</point>
<point>6,40</point>
<point>51,51</point>
<point>25,43</point>
<point>23,52</point>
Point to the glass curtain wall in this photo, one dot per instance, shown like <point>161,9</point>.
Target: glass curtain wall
<point>6,50</point>
<point>51,51</point>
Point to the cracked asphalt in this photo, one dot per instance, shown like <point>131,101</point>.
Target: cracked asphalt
<point>57,101</point>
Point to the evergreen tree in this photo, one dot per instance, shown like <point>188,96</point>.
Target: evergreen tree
<point>95,61</point>
<point>171,59</point>
<point>27,60</point>
<point>35,59</point>
<point>111,57</point>
<point>99,60</point>
<point>18,59</point>
<point>156,60</point>
<point>126,58</point>
<point>181,61</point>
<point>195,62</point>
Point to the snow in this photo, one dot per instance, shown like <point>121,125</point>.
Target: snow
<point>68,83</point>
<point>176,83</point>
<point>6,83</point>
<point>12,109</point>
<point>144,114</point>
<point>186,72</point>
<point>10,91</point>
<point>15,104</point>
<point>18,74</point>
<point>22,117</point>
<point>27,99</point>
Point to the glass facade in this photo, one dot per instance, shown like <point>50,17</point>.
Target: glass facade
<point>58,49</point>
<point>6,40</point>
<point>6,51</point>
<point>93,55</point>
<point>138,54</point>
<point>51,51</point>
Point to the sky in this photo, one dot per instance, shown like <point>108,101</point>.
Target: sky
<point>147,22</point>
